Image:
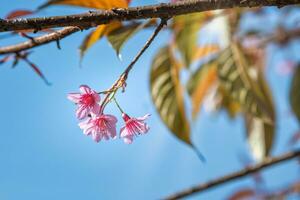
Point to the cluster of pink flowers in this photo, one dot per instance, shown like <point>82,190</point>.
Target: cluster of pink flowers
<point>99,125</point>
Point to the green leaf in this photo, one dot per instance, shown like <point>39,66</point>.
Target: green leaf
<point>186,28</point>
<point>295,93</point>
<point>232,107</point>
<point>167,94</point>
<point>260,133</point>
<point>118,37</point>
<point>200,83</point>
<point>236,77</point>
<point>95,35</point>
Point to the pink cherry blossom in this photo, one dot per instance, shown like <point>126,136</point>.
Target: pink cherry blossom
<point>133,127</point>
<point>99,127</point>
<point>87,101</point>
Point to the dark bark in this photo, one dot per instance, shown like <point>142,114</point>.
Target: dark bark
<point>37,41</point>
<point>225,179</point>
<point>95,18</point>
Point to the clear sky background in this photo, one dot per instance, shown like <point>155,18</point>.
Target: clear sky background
<point>44,154</point>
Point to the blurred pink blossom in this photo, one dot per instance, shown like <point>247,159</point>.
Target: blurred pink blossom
<point>87,101</point>
<point>133,127</point>
<point>99,127</point>
<point>285,67</point>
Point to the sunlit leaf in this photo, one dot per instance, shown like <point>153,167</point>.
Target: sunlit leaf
<point>167,94</point>
<point>235,76</point>
<point>203,51</point>
<point>295,93</point>
<point>98,4</point>
<point>200,83</point>
<point>260,133</point>
<point>119,36</point>
<point>186,28</point>
<point>96,35</point>
<point>18,13</point>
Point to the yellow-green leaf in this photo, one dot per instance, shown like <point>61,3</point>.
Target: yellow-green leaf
<point>260,133</point>
<point>186,28</point>
<point>236,77</point>
<point>295,93</point>
<point>200,83</point>
<point>167,94</point>
<point>98,4</point>
<point>119,36</point>
<point>96,35</point>
<point>231,106</point>
<point>203,51</point>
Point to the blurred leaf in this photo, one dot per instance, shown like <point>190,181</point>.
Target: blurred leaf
<point>167,94</point>
<point>231,106</point>
<point>260,133</point>
<point>5,59</point>
<point>244,194</point>
<point>200,83</point>
<point>234,75</point>
<point>296,187</point>
<point>24,56</point>
<point>119,36</point>
<point>186,28</point>
<point>96,35</point>
<point>37,71</point>
<point>295,93</point>
<point>18,13</point>
<point>99,4</point>
<point>206,50</point>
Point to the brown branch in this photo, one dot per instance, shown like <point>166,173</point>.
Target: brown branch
<point>41,40</point>
<point>281,36</point>
<point>165,10</point>
<point>225,179</point>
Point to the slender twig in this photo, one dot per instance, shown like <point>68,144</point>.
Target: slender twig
<point>37,41</point>
<point>146,46</point>
<point>280,36</point>
<point>225,179</point>
<point>163,10</point>
<point>121,82</point>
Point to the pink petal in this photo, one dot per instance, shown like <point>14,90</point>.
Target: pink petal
<point>84,124</point>
<point>75,97</point>
<point>111,118</point>
<point>96,109</point>
<point>81,112</point>
<point>141,126</point>
<point>128,140</point>
<point>96,97</point>
<point>143,118</point>
<point>112,131</point>
<point>96,137</point>
<point>124,132</point>
<point>85,89</point>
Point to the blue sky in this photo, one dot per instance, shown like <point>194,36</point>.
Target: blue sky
<point>44,154</point>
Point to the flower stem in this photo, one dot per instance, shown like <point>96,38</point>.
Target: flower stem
<point>115,100</point>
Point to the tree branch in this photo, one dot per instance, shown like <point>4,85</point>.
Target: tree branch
<point>94,18</point>
<point>225,179</point>
<point>121,82</point>
<point>34,42</point>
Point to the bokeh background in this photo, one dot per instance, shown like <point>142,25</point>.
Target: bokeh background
<point>44,154</point>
